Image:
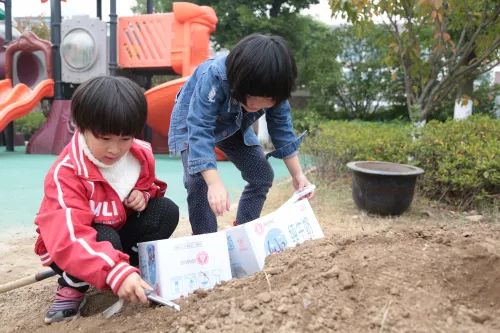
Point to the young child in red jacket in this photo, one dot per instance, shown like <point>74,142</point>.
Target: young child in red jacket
<point>101,198</point>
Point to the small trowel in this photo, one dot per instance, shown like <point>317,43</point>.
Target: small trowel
<point>150,294</point>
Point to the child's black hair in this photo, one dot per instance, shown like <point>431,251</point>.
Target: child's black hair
<point>109,105</point>
<point>261,65</point>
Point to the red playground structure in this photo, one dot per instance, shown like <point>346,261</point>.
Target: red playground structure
<point>138,46</point>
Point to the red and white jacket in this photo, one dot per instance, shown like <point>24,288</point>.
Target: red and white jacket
<point>77,196</point>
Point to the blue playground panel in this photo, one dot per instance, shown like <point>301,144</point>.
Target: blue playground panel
<point>21,183</point>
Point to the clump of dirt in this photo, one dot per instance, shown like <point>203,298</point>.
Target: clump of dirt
<point>402,278</point>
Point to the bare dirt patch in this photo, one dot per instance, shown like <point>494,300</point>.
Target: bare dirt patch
<point>429,270</point>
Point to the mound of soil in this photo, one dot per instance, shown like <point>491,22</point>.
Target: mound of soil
<point>402,278</point>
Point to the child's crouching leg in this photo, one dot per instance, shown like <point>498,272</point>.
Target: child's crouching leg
<point>107,234</point>
<point>70,295</point>
<point>157,221</point>
<point>69,298</point>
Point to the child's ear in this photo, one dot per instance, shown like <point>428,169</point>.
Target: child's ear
<point>72,126</point>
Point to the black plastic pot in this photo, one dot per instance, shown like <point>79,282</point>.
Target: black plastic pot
<point>383,188</point>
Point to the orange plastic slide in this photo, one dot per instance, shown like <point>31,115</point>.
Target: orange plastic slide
<point>160,104</point>
<point>19,100</point>
<point>161,101</point>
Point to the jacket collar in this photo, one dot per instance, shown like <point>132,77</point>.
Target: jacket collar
<point>83,166</point>
<point>219,63</point>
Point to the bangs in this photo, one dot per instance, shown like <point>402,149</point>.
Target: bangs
<point>110,106</point>
<point>118,114</point>
<point>261,66</point>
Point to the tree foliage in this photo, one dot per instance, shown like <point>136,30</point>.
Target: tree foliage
<point>346,74</point>
<point>238,18</point>
<point>437,44</point>
<point>37,26</point>
<point>367,84</point>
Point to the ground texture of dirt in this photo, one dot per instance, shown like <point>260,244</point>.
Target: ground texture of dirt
<point>430,270</point>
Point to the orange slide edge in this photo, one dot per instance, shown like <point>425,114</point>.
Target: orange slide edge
<point>21,100</point>
<point>161,101</point>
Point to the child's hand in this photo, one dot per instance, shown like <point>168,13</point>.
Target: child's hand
<point>132,289</point>
<point>299,182</point>
<point>218,198</point>
<point>135,201</point>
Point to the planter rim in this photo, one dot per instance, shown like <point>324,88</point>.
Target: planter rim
<point>385,168</point>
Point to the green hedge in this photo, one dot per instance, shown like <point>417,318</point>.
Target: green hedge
<point>335,143</point>
<point>461,159</point>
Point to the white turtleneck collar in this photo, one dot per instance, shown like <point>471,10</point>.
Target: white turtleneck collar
<point>121,175</point>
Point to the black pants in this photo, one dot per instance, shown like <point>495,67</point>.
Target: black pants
<point>255,170</point>
<point>157,221</point>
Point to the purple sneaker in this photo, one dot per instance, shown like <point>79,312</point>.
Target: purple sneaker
<point>67,305</point>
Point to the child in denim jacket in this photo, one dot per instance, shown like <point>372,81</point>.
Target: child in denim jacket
<point>216,108</point>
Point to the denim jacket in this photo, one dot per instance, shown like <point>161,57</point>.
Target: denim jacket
<point>205,113</point>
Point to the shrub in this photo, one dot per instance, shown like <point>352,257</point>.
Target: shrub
<point>338,142</point>
<point>461,161</point>
<point>460,158</point>
<point>305,119</point>
<point>28,124</point>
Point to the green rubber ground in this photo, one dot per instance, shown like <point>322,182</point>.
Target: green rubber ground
<point>21,183</point>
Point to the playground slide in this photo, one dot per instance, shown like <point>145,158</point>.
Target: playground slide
<point>19,100</point>
<point>160,104</point>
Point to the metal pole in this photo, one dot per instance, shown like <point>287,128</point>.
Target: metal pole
<point>8,21</point>
<point>55,36</point>
<point>9,130</point>
<point>149,7</point>
<point>99,9</point>
<point>148,132</point>
<point>112,37</point>
<point>9,136</point>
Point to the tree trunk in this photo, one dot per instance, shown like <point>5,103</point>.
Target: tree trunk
<point>275,8</point>
<point>465,90</point>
